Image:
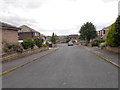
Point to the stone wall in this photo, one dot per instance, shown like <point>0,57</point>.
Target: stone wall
<point>113,49</point>
<point>16,55</point>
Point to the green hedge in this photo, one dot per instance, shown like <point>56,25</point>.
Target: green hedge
<point>113,36</point>
<point>97,42</point>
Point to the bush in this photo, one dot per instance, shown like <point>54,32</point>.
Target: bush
<point>28,43</point>
<point>110,36</point>
<point>10,48</point>
<point>44,44</point>
<point>113,36</point>
<point>102,45</point>
<point>97,42</point>
<point>38,42</point>
<point>19,48</point>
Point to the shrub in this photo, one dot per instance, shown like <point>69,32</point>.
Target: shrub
<point>110,39</point>
<point>28,43</point>
<point>19,48</point>
<point>113,36</point>
<point>38,42</point>
<point>10,48</point>
<point>7,50</point>
<point>97,42</point>
<point>44,44</point>
<point>102,45</point>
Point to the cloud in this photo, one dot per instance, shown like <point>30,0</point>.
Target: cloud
<point>60,16</point>
<point>18,20</point>
<point>119,8</point>
<point>29,4</point>
<point>110,1</point>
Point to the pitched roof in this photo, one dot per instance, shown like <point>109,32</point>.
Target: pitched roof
<point>25,28</point>
<point>8,26</point>
<point>106,28</point>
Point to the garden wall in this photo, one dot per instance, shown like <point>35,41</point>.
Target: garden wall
<point>113,49</point>
<point>15,55</point>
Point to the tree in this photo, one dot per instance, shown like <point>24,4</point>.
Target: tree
<point>113,36</point>
<point>117,31</point>
<point>88,32</point>
<point>53,38</point>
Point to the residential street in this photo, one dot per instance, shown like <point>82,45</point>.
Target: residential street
<point>69,67</point>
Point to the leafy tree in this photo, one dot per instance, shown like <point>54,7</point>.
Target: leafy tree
<point>88,32</point>
<point>38,42</point>
<point>113,36</point>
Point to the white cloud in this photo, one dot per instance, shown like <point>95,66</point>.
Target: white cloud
<point>60,16</point>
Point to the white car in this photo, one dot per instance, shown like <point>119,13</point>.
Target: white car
<point>70,43</point>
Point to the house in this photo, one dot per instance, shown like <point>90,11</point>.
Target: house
<point>48,38</point>
<point>63,38</point>
<point>74,37</point>
<point>8,35</point>
<point>102,33</point>
<point>27,32</point>
<point>44,38</point>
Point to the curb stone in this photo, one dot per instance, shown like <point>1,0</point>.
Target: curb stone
<point>102,57</point>
<point>17,67</point>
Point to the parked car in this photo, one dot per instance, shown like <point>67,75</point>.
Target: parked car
<point>70,43</point>
<point>49,43</point>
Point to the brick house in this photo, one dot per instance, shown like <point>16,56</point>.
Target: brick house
<point>102,33</point>
<point>74,37</point>
<point>8,35</point>
<point>48,38</point>
<point>27,32</point>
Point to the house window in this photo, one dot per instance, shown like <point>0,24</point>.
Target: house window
<point>103,31</point>
<point>36,34</point>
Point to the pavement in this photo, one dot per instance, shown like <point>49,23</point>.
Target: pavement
<point>69,67</point>
<point>110,56</point>
<point>8,65</point>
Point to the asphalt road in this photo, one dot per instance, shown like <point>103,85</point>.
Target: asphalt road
<point>69,67</point>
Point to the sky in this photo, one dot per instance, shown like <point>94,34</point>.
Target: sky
<point>62,17</point>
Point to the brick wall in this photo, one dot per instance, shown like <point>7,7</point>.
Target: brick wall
<point>10,36</point>
<point>25,35</point>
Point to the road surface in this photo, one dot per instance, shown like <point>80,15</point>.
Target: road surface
<point>69,67</point>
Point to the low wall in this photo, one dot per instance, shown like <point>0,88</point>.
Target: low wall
<point>113,49</point>
<point>16,55</point>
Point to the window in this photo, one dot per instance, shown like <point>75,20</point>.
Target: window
<point>36,34</point>
<point>103,31</point>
